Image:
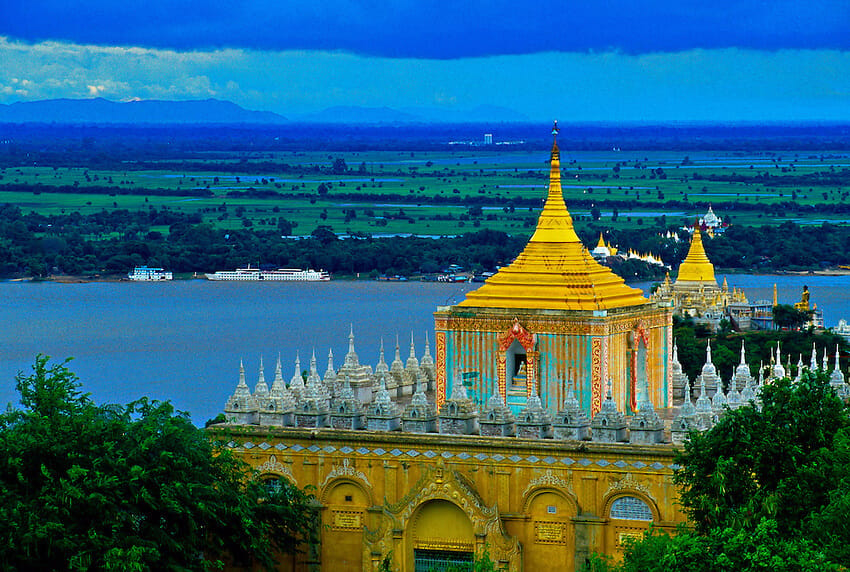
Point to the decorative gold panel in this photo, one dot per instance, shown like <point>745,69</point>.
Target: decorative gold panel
<point>347,520</point>
<point>547,532</point>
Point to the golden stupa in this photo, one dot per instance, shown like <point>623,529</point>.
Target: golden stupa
<point>601,243</point>
<point>555,271</point>
<point>696,267</point>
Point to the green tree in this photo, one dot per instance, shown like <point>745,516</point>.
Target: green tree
<point>765,489</point>
<point>787,316</point>
<point>764,463</point>
<point>129,487</point>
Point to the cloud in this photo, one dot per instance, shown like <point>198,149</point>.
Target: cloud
<point>436,30</point>
<point>699,84</point>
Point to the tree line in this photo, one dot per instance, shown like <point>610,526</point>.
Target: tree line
<point>115,241</point>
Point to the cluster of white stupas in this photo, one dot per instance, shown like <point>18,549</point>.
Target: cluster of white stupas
<point>399,378</point>
<point>742,388</point>
<point>398,397</point>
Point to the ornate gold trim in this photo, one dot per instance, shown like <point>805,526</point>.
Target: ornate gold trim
<point>440,349</point>
<point>596,376</point>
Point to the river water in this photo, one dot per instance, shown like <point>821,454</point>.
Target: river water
<point>183,340</point>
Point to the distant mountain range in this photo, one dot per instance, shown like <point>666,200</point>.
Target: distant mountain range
<point>214,111</point>
<point>99,110</point>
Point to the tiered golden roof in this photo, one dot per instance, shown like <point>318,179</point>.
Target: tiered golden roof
<point>555,271</point>
<point>696,267</point>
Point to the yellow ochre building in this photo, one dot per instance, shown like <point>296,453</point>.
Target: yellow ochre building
<point>532,433</point>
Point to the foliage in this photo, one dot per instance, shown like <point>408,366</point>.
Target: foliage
<point>765,489</point>
<point>786,316</point>
<point>133,487</point>
<point>768,463</point>
<point>724,549</point>
<point>598,563</point>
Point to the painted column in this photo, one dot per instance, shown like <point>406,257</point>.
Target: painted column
<point>440,393</point>
<point>595,375</point>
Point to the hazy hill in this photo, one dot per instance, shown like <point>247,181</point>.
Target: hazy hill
<point>214,111</point>
<point>99,110</point>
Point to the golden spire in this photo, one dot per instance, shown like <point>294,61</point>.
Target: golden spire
<point>775,302</point>
<point>555,223</point>
<point>601,243</point>
<point>696,267</point>
<point>555,271</point>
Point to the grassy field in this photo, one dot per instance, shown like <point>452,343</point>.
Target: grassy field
<point>409,182</point>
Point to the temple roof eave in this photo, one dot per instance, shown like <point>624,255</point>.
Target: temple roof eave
<point>524,312</point>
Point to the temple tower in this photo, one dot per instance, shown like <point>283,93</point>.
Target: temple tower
<point>554,314</point>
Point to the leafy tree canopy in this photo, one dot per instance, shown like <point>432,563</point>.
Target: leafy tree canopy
<point>129,487</point>
<point>765,489</point>
<point>787,316</point>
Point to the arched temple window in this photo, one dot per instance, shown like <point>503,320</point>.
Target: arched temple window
<point>630,508</point>
<point>516,361</point>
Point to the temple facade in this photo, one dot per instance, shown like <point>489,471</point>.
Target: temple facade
<point>555,319</point>
<point>533,432</point>
<point>418,501</point>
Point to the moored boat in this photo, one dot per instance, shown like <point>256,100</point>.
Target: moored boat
<point>148,274</point>
<point>281,274</point>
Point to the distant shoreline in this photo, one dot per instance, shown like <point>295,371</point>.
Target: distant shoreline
<point>78,279</point>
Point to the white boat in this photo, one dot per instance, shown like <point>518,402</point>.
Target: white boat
<point>285,274</point>
<point>147,274</point>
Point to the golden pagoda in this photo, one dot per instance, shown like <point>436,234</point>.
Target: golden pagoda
<point>697,267</point>
<point>555,271</point>
<point>695,292</point>
<point>552,318</point>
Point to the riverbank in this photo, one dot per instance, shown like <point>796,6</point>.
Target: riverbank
<point>82,279</point>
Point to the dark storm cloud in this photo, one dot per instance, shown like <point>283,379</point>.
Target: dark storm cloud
<point>431,29</point>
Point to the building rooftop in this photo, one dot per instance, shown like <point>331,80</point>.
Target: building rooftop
<point>555,271</point>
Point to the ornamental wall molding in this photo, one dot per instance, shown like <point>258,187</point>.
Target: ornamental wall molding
<point>627,483</point>
<point>346,470</point>
<point>272,465</point>
<point>662,464</point>
<point>549,479</point>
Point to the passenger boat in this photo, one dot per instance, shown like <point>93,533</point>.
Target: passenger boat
<point>285,274</point>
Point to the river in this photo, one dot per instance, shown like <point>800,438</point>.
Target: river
<point>183,340</point>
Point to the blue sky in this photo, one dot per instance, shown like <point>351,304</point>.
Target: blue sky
<point>582,61</point>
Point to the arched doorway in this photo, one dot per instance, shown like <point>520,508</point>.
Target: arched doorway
<point>550,530</point>
<point>440,536</point>
<point>345,514</point>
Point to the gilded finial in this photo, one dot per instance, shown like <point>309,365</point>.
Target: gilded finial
<point>555,128</point>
